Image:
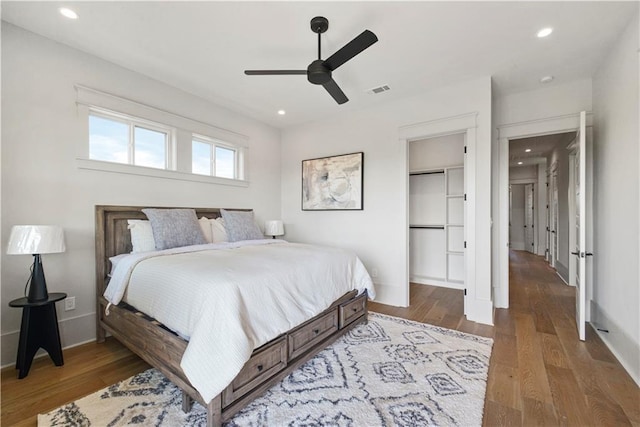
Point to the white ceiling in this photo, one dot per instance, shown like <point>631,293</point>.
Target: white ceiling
<point>541,147</point>
<point>203,47</point>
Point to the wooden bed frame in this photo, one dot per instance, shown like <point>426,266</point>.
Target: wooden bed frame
<point>163,349</point>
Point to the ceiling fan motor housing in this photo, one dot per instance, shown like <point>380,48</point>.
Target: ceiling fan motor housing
<point>318,73</point>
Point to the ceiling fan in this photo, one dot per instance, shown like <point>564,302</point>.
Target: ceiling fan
<point>319,71</point>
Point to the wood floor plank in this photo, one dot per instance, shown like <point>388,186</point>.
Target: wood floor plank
<point>497,415</point>
<point>503,387</point>
<point>552,351</point>
<point>536,413</point>
<point>569,401</point>
<point>532,374</point>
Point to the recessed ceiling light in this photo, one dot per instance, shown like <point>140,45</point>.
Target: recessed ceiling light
<point>65,11</point>
<point>282,112</point>
<point>519,163</point>
<point>528,150</point>
<point>546,79</point>
<point>545,32</point>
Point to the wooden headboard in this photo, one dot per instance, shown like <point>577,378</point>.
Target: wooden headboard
<point>113,236</point>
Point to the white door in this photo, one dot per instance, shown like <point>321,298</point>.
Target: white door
<point>554,218</point>
<point>528,218</point>
<point>580,250</point>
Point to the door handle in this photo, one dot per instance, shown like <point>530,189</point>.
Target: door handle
<point>575,253</point>
<point>589,254</point>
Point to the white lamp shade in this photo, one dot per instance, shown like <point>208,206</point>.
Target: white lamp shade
<point>36,239</point>
<point>274,228</point>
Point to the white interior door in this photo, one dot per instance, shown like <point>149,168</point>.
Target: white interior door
<point>580,250</point>
<point>528,218</point>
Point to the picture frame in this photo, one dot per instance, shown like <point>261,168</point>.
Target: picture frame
<point>333,183</point>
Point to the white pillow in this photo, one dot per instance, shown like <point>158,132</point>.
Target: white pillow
<point>218,231</point>
<point>141,235</point>
<point>114,262</point>
<point>205,224</point>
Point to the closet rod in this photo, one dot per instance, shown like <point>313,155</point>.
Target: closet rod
<point>428,227</point>
<point>426,173</point>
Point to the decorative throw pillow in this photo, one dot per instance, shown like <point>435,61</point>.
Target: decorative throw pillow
<point>240,225</point>
<point>173,228</point>
<point>218,231</point>
<point>205,225</point>
<point>141,235</point>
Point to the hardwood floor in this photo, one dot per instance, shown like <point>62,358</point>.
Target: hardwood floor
<point>540,373</point>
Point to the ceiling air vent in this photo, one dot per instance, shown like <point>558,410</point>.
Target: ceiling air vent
<point>378,89</point>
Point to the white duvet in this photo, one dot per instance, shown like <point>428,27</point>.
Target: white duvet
<point>228,299</point>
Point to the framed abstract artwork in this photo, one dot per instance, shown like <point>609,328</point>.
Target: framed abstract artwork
<point>333,183</point>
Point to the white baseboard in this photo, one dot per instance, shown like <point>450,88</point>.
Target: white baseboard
<point>621,344</point>
<point>436,282</point>
<point>74,331</point>
<point>563,272</point>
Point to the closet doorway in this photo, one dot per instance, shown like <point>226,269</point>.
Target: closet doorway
<point>437,211</point>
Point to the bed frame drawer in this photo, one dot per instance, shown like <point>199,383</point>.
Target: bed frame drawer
<point>306,336</point>
<point>353,310</point>
<point>264,363</point>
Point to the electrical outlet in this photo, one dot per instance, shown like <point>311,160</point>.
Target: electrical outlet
<point>70,304</point>
<point>374,272</point>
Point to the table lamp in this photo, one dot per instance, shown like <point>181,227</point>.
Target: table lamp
<point>36,240</point>
<point>273,228</point>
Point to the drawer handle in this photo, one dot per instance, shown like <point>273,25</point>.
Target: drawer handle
<point>260,367</point>
<point>355,309</point>
<point>316,331</point>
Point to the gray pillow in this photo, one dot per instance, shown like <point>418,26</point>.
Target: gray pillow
<point>241,225</point>
<point>173,228</point>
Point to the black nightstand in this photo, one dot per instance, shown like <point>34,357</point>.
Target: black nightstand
<point>39,329</point>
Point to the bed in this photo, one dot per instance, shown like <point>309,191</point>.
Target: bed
<point>164,348</point>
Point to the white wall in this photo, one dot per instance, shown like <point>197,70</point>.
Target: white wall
<point>523,173</point>
<point>41,184</point>
<point>379,232</point>
<point>616,293</point>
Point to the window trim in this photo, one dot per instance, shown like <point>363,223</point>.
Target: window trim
<point>213,144</point>
<point>133,123</point>
<point>185,127</point>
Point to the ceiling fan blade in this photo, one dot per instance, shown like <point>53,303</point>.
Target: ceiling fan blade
<point>334,90</point>
<point>351,49</point>
<point>274,72</point>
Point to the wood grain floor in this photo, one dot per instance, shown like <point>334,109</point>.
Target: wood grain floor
<point>540,373</point>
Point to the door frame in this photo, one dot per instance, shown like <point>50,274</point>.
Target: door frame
<point>465,124</point>
<point>547,126</point>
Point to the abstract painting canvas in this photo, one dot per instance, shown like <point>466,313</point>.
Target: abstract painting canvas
<point>333,183</point>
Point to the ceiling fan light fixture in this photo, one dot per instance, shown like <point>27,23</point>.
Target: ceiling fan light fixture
<point>282,112</point>
<point>544,32</point>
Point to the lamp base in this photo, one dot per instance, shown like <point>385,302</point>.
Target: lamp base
<point>37,283</point>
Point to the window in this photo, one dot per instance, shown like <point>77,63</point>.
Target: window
<point>123,139</point>
<point>214,158</point>
<point>125,136</point>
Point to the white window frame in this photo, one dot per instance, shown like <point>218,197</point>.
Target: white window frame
<point>213,143</point>
<point>133,122</point>
<point>184,128</point>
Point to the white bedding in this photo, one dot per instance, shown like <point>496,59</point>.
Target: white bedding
<point>230,298</point>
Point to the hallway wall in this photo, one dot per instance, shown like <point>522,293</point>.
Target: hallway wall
<point>616,293</point>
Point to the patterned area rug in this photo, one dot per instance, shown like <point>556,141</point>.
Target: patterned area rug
<point>390,372</point>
